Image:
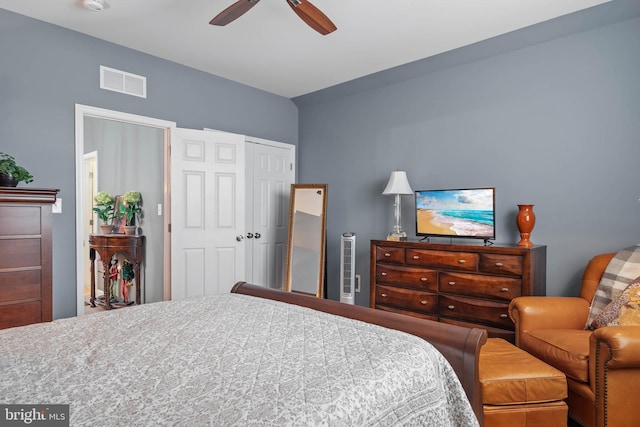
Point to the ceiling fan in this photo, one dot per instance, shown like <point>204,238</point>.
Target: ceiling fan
<point>304,9</point>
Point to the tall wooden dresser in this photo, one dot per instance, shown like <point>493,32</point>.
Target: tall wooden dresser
<point>468,285</point>
<point>25,255</point>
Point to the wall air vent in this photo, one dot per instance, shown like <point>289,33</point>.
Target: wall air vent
<point>123,82</point>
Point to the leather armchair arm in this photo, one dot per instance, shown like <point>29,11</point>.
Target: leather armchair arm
<point>622,343</point>
<point>540,312</point>
<point>614,369</point>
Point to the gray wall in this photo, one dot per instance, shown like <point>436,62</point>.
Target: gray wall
<point>45,70</point>
<point>555,123</point>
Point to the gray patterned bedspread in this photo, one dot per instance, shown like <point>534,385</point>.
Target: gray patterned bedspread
<point>229,360</point>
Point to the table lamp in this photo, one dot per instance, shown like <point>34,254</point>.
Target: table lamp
<point>398,185</point>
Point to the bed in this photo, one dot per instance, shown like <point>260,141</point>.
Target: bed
<point>256,356</point>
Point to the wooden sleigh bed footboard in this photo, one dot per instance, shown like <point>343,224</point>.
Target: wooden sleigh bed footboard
<point>459,345</point>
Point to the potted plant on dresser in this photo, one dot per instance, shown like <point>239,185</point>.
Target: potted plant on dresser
<point>104,207</point>
<point>10,173</point>
<point>130,209</point>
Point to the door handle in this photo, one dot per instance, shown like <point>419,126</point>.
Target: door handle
<point>239,237</point>
<point>258,235</point>
<point>249,235</point>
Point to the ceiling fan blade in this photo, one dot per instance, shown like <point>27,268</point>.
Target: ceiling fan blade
<point>233,12</point>
<point>312,16</point>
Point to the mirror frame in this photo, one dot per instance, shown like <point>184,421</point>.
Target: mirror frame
<point>323,238</point>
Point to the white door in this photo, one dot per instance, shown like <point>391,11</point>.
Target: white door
<point>207,212</point>
<point>270,172</point>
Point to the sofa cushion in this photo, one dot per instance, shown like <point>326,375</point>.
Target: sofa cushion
<point>624,310</point>
<point>511,376</point>
<point>564,349</point>
<point>621,270</point>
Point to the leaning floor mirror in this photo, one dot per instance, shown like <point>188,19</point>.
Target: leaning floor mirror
<point>307,239</point>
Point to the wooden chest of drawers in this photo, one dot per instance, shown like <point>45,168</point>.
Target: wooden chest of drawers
<point>25,255</point>
<point>468,285</point>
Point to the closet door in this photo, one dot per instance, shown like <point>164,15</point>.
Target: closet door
<point>207,212</point>
<point>270,172</point>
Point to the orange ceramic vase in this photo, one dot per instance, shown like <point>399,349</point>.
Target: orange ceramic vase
<point>526,219</point>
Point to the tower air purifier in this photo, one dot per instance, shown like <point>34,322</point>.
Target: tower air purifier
<point>347,268</point>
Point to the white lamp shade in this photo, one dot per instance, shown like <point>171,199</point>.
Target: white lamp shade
<point>398,184</point>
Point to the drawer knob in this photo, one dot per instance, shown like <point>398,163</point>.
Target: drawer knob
<point>423,302</point>
<point>461,261</point>
<point>416,257</point>
<point>383,295</point>
<point>452,283</point>
<point>504,290</point>
<point>424,279</point>
<point>498,264</point>
<point>451,307</point>
<point>384,273</point>
<point>503,316</point>
<point>387,254</point>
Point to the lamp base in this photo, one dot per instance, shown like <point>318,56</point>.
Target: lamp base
<point>397,236</point>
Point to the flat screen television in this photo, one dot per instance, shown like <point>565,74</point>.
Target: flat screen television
<point>468,212</point>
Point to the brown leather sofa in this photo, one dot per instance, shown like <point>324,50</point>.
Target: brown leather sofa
<point>602,366</point>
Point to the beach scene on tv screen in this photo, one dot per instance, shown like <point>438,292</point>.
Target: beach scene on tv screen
<point>466,213</point>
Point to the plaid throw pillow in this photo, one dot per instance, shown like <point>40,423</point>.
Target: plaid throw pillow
<point>623,268</point>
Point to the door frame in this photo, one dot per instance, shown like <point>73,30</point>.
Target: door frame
<point>82,111</point>
<point>89,187</point>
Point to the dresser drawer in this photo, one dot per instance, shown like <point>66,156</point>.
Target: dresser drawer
<point>482,311</point>
<point>20,220</point>
<point>20,314</point>
<point>407,276</point>
<point>493,332</point>
<point>420,314</point>
<point>443,259</point>
<point>409,299</point>
<point>386,254</point>
<point>20,285</point>
<point>20,253</point>
<point>501,264</point>
<point>480,285</point>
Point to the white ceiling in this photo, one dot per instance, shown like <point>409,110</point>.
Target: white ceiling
<point>270,48</point>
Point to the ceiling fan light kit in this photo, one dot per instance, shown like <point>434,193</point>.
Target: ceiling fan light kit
<point>310,14</point>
